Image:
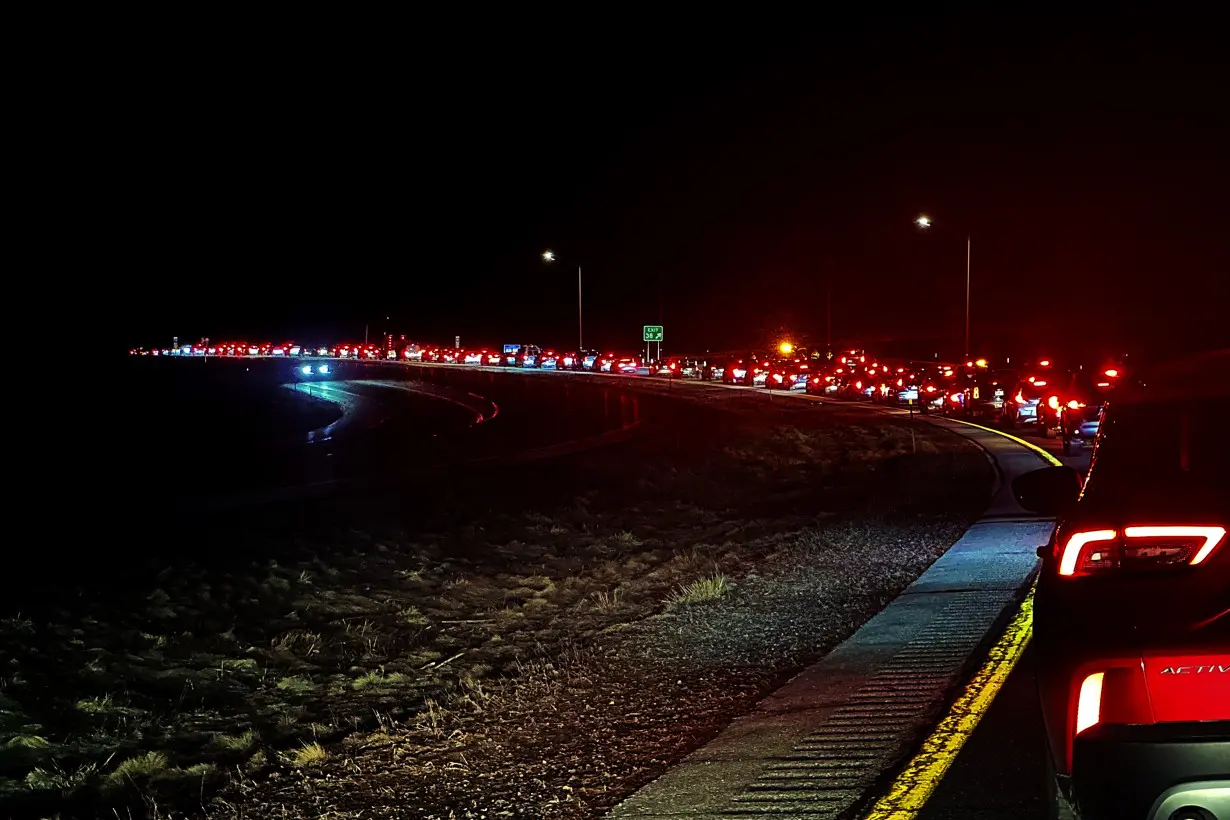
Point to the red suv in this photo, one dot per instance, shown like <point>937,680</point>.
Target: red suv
<point>1132,614</point>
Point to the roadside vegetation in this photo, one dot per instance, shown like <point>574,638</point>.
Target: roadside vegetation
<point>395,655</point>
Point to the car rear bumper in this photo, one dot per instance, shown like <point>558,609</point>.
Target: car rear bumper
<point>1152,771</point>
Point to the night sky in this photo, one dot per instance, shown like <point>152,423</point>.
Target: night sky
<point>304,180</point>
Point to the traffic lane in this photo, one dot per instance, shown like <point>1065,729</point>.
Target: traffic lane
<point>1080,453</point>
<point>380,426</point>
<point>407,431</point>
<point>1001,770</point>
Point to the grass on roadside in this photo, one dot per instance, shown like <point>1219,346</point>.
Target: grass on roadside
<point>212,671</point>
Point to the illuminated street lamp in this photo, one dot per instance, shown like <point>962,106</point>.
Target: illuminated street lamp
<point>548,256</point>
<point>786,348</point>
<point>981,362</point>
<point>1112,373</point>
<point>924,222</point>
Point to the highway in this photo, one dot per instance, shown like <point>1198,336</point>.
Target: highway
<point>395,430</point>
<point>999,772</point>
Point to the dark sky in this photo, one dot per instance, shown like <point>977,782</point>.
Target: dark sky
<point>305,178</point>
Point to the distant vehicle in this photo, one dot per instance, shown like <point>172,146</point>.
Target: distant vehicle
<point>587,360</point>
<point>822,383</point>
<point>787,374</point>
<point>1132,609</point>
<point>1032,402</point>
<point>307,371</point>
<point>619,364</point>
<point>520,355</point>
<point>1080,423</point>
<point>745,369</point>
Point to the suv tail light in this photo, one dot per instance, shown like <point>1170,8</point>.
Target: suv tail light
<point>1089,702</point>
<point>1136,549</point>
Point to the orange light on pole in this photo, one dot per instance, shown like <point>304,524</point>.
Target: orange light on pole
<point>786,348</point>
<point>1111,373</point>
<point>1045,363</point>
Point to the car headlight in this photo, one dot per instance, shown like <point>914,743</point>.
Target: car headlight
<point>324,368</point>
<point>306,370</point>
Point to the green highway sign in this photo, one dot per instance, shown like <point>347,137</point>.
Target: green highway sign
<point>653,333</point>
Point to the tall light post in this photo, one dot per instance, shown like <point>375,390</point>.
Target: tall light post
<point>925,223</point>
<point>548,256</point>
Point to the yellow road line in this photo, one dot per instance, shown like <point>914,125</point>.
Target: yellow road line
<point>1046,455</point>
<point>912,788</point>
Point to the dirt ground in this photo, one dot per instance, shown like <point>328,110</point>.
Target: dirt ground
<point>534,643</point>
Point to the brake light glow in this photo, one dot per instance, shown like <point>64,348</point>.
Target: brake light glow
<point>1213,536</point>
<point>1142,548</point>
<point>1089,704</point>
<point>1076,543</point>
<point>1038,382</point>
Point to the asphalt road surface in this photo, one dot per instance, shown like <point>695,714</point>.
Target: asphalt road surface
<point>1001,770</point>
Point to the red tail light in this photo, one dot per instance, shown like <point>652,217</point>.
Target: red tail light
<point>1094,552</point>
<point>1089,702</point>
<point>1198,542</point>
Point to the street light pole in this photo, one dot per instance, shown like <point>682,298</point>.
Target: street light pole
<point>967,252</point>
<point>548,256</point>
<point>828,317</point>
<point>925,223</point>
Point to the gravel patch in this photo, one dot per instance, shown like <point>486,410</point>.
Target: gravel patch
<point>571,736</point>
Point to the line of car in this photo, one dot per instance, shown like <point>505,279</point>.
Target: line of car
<point>1040,396</point>
<point>1132,609</point>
